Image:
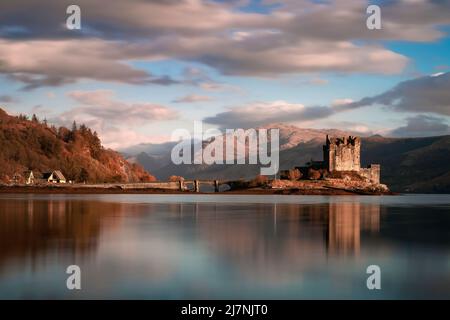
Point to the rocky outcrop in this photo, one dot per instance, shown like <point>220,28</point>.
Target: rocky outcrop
<point>325,185</point>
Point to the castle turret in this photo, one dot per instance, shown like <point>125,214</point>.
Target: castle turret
<point>342,154</point>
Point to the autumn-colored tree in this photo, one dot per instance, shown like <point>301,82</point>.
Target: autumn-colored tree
<point>294,174</point>
<point>175,178</point>
<point>313,174</point>
<point>259,181</point>
<point>31,145</point>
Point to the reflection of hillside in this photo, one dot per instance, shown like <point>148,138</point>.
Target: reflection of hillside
<point>28,228</point>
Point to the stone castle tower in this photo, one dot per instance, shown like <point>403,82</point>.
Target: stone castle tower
<point>342,154</point>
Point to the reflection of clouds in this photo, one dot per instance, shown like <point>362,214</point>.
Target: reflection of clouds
<point>140,254</point>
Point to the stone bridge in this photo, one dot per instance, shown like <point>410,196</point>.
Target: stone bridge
<point>185,185</point>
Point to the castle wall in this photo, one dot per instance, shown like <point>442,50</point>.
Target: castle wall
<point>371,173</point>
<point>375,170</point>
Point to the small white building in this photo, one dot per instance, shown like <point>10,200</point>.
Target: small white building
<point>29,177</point>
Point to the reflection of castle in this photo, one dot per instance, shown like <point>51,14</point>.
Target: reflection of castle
<point>286,238</point>
<point>345,223</point>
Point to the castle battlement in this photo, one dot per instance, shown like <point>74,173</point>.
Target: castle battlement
<point>350,140</point>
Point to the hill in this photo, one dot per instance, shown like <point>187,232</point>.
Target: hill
<point>78,153</point>
<point>411,164</point>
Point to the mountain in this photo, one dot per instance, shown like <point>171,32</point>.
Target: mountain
<point>407,164</point>
<point>158,162</point>
<point>78,153</point>
<point>149,148</point>
<point>411,164</point>
<point>291,136</point>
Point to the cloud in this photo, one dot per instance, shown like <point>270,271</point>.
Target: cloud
<point>299,19</point>
<point>292,37</point>
<point>424,94</point>
<point>41,110</point>
<point>341,102</point>
<point>112,19</point>
<point>118,138</point>
<point>259,113</point>
<point>100,104</point>
<point>318,81</point>
<point>36,81</point>
<point>7,99</point>
<point>117,122</point>
<point>192,98</point>
<point>422,126</point>
<point>266,57</point>
<point>430,94</point>
<point>200,78</point>
<point>38,63</point>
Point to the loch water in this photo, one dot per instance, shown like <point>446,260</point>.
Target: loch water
<point>224,246</point>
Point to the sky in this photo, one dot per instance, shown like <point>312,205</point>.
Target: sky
<point>139,69</point>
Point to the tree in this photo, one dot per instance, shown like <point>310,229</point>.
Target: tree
<point>294,174</point>
<point>313,174</point>
<point>259,181</point>
<point>84,175</point>
<point>83,128</point>
<point>30,145</point>
<point>176,178</point>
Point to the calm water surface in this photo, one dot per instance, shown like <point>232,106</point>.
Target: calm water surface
<point>209,246</point>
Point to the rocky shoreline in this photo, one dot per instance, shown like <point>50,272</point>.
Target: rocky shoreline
<point>283,187</point>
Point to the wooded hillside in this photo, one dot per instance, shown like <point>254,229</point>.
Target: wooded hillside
<point>31,144</point>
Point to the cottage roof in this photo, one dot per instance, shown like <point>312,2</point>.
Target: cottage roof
<point>46,175</point>
<point>58,175</point>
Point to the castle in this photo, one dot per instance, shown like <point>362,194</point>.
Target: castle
<point>342,154</point>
